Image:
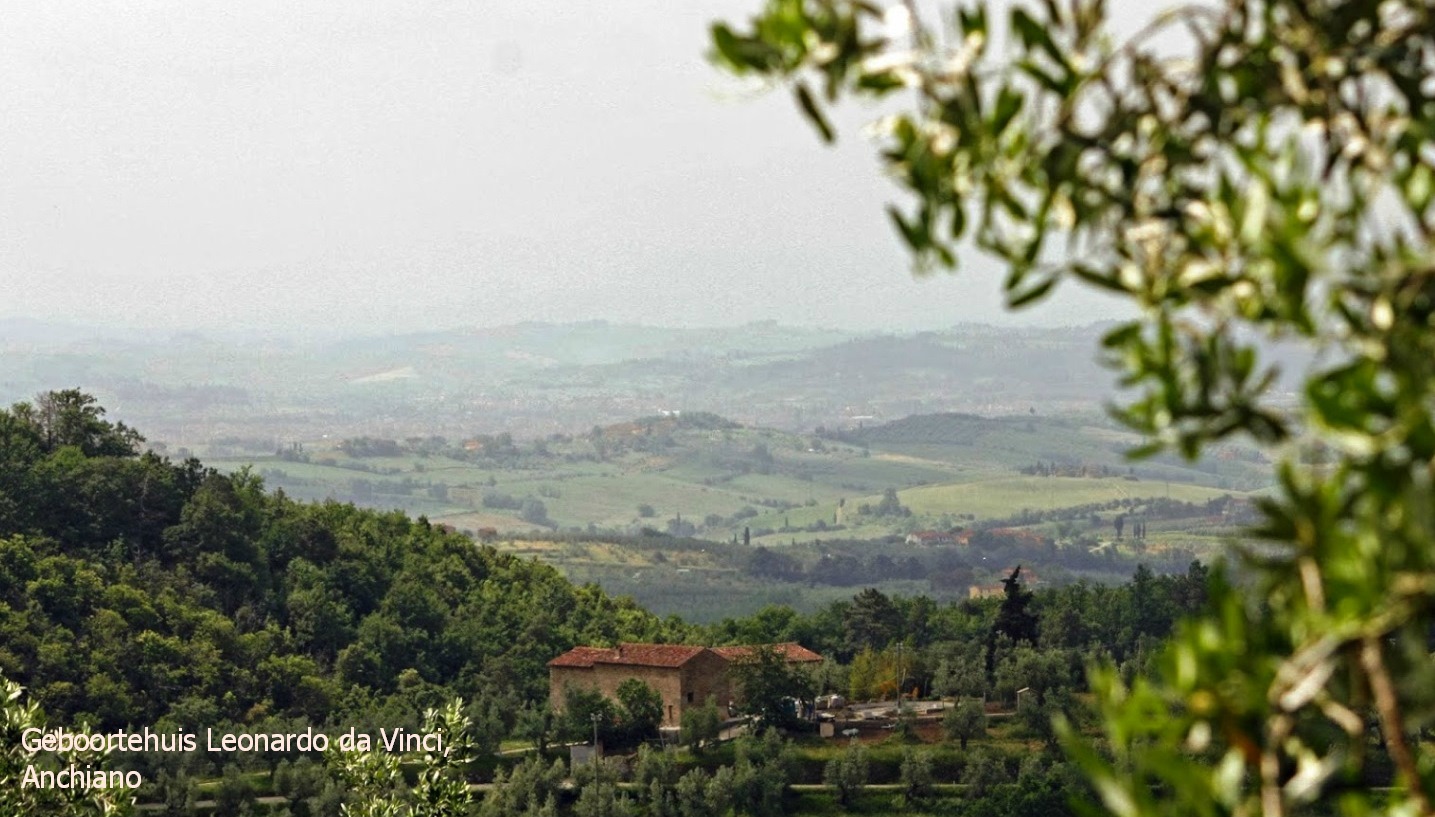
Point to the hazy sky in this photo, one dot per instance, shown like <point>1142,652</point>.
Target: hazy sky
<point>388,166</point>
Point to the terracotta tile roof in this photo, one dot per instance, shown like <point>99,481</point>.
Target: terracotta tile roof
<point>671,655</point>
<point>656,655</point>
<point>791,650</point>
<point>582,657</point>
<point>638,655</point>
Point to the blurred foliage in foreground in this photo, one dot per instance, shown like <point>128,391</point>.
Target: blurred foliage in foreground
<point>1267,173</point>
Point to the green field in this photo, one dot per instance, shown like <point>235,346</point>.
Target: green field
<point>996,498</point>
<point>800,494</point>
<point>782,487</point>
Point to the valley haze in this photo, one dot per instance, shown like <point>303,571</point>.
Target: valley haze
<point>533,379</point>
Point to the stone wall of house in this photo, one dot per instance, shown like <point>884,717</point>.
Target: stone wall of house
<point>666,680</point>
<point>560,678</point>
<point>681,687</point>
<point>705,675</point>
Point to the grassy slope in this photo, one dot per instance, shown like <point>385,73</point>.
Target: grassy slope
<point>1003,496</point>
<point>940,464</point>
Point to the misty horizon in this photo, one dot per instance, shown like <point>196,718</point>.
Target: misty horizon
<point>25,328</point>
<point>391,169</point>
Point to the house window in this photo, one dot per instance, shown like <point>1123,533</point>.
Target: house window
<point>690,697</point>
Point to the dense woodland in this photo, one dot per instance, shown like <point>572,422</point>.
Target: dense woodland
<point>137,591</point>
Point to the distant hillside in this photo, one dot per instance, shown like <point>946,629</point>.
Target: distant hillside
<point>948,428</point>
<point>998,362</point>
<point>536,379</point>
<point>700,474</point>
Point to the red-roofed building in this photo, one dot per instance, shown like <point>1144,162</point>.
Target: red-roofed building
<point>683,675</point>
<point>794,653</point>
<point>1028,579</point>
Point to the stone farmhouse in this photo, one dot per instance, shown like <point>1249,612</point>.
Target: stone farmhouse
<point>930,538</point>
<point>684,675</point>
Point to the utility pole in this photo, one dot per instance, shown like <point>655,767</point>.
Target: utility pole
<point>596,717</point>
